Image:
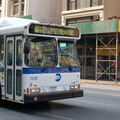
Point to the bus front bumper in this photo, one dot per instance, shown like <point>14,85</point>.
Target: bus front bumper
<point>29,98</point>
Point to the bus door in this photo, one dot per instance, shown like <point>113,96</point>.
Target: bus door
<point>14,68</point>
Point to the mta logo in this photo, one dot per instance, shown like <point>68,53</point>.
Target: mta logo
<point>58,77</point>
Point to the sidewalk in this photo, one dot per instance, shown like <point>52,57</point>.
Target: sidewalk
<point>109,85</point>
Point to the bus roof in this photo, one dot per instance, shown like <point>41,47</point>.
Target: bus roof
<point>4,22</point>
<point>10,26</point>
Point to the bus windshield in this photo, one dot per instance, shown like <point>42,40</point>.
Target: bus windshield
<point>42,52</point>
<point>68,54</point>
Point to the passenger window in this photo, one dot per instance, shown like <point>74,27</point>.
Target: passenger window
<point>19,53</point>
<point>18,82</point>
<point>10,51</point>
<point>9,81</point>
<point>1,47</point>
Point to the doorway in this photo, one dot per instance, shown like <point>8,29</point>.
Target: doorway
<point>87,53</point>
<point>14,67</point>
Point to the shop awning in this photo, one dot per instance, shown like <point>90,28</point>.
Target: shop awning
<point>107,26</point>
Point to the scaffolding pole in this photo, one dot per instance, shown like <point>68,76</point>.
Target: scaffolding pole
<point>106,57</point>
<point>116,56</point>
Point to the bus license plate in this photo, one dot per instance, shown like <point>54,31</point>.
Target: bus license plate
<point>53,88</point>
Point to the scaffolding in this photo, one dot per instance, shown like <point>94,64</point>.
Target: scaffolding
<point>107,57</point>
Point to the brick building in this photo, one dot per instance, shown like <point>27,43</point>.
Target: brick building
<point>41,10</point>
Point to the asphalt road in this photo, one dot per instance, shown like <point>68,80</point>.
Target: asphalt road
<point>97,104</point>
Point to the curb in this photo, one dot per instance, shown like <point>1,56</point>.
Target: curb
<point>100,82</point>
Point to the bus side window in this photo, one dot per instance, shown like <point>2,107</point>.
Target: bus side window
<point>1,47</point>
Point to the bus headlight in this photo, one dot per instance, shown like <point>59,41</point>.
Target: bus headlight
<point>74,87</point>
<point>34,90</point>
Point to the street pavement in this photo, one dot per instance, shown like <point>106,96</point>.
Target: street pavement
<point>100,102</point>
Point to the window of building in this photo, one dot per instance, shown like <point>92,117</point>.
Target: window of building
<point>71,4</point>
<point>96,3</point>
<point>17,7</point>
<point>77,4</point>
<point>0,2</point>
<point>82,19</point>
<point>82,3</point>
<point>78,20</point>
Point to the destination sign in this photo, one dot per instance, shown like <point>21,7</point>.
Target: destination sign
<point>53,30</point>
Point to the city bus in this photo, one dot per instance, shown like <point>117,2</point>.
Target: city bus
<point>38,61</point>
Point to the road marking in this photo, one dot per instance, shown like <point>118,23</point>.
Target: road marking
<point>91,102</point>
<point>110,105</point>
<point>103,93</point>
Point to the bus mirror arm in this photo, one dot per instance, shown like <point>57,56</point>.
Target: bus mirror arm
<point>26,48</point>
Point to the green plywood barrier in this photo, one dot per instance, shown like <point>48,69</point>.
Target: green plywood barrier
<point>26,17</point>
<point>107,26</point>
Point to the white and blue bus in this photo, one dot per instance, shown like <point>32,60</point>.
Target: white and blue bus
<point>38,62</point>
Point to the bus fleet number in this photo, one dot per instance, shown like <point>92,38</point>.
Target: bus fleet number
<point>33,78</point>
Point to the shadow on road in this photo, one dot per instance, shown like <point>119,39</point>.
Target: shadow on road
<point>35,107</point>
<point>61,110</point>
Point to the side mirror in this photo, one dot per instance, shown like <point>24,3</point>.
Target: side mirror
<point>26,47</point>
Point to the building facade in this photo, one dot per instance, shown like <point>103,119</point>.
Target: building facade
<point>99,45</point>
<point>41,10</point>
<point>77,11</point>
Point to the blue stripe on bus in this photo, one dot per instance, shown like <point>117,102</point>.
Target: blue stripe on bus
<point>1,69</point>
<point>49,70</point>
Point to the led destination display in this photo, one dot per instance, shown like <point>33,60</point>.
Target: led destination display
<point>53,30</point>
